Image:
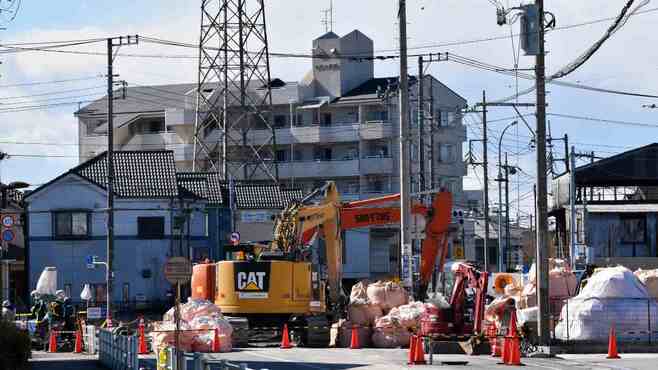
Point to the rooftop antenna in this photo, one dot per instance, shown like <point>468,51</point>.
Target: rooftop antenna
<point>328,17</point>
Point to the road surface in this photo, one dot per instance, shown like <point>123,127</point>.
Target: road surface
<point>362,359</point>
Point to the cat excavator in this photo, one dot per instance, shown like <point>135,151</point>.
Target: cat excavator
<point>277,283</point>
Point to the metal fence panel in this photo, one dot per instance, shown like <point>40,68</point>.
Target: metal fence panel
<point>117,352</point>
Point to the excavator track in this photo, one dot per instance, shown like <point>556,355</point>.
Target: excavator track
<point>310,331</point>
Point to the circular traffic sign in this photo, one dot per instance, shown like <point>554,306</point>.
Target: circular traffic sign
<point>178,270</point>
<point>7,220</point>
<point>235,238</point>
<point>8,235</point>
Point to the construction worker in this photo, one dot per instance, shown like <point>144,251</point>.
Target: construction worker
<point>7,311</point>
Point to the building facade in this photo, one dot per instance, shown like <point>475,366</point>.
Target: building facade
<point>339,122</point>
<point>615,209</point>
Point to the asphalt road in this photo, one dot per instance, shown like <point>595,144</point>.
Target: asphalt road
<point>362,359</point>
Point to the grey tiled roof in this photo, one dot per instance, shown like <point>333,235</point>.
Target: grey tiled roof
<point>264,196</point>
<point>204,185</point>
<point>138,174</point>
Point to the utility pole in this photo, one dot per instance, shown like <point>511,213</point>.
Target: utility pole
<point>485,169</point>
<point>421,128</point>
<point>542,191</point>
<point>507,243</point>
<point>405,215</point>
<point>111,43</point>
<point>572,205</point>
<point>432,168</point>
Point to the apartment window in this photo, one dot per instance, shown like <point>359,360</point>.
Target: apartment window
<point>280,155</point>
<point>154,126</point>
<point>298,155</point>
<point>280,121</point>
<point>150,227</point>
<point>446,153</point>
<point>72,225</point>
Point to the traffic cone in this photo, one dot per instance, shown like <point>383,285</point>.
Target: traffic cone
<point>216,345</point>
<point>612,344</point>
<point>506,350</point>
<point>142,350</point>
<point>412,350</point>
<point>514,358</point>
<point>354,342</point>
<point>52,342</point>
<point>285,338</point>
<point>78,342</point>
<point>419,354</point>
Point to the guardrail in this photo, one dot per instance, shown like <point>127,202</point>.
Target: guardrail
<point>117,352</point>
<point>167,361</point>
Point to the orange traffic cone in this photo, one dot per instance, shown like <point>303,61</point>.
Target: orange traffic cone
<point>52,342</point>
<point>142,350</point>
<point>412,350</point>
<point>612,344</point>
<point>514,357</point>
<point>216,345</point>
<point>78,342</point>
<point>419,354</point>
<point>285,338</point>
<point>354,342</point>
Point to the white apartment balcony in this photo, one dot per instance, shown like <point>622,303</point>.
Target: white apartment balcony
<point>376,165</point>
<point>336,133</point>
<point>315,169</point>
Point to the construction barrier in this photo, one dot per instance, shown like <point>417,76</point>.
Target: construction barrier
<point>117,352</point>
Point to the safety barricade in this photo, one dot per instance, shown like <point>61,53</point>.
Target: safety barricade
<point>117,352</point>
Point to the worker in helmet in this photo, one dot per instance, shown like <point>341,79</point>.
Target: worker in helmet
<point>7,311</point>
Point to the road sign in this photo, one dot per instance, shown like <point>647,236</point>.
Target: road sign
<point>90,262</point>
<point>8,221</point>
<point>8,235</point>
<point>235,238</point>
<point>95,313</point>
<point>178,270</point>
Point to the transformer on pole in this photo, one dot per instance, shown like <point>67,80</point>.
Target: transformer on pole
<point>234,95</point>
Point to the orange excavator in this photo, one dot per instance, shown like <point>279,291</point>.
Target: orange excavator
<point>276,283</point>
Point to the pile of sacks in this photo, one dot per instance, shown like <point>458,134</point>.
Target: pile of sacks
<point>199,319</point>
<point>650,280</point>
<point>612,295</point>
<point>381,314</point>
<point>562,284</point>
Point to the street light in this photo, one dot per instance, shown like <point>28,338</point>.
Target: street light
<point>500,179</point>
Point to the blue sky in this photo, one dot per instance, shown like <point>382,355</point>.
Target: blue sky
<point>626,62</point>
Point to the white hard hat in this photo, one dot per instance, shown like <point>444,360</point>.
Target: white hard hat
<point>6,303</point>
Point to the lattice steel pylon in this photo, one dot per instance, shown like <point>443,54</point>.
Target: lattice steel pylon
<point>233,131</point>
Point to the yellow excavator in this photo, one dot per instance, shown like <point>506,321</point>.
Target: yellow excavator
<point>277,283</point>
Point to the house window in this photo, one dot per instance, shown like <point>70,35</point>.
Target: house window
<point>299,121</point>
<point>150,227</point>
<point>298,155</point>
<point>633,229</point>
<point>72,225</point>
<point>446,153</point>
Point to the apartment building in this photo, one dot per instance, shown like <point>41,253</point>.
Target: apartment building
<point>339,122</point>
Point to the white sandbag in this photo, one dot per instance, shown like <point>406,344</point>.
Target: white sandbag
<point>408,315</point>
<point>204,342</point>
<point>612,296</point>
<point>387,294</point>
<point>650,280</point>
<point>47,283</point>
<point>163,335</point>
<point>198,307</point>
<point>364,315</point>
<point>359,294</point>
<point>438,300</point>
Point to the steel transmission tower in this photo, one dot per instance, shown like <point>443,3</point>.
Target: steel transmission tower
<point>233,131</point>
